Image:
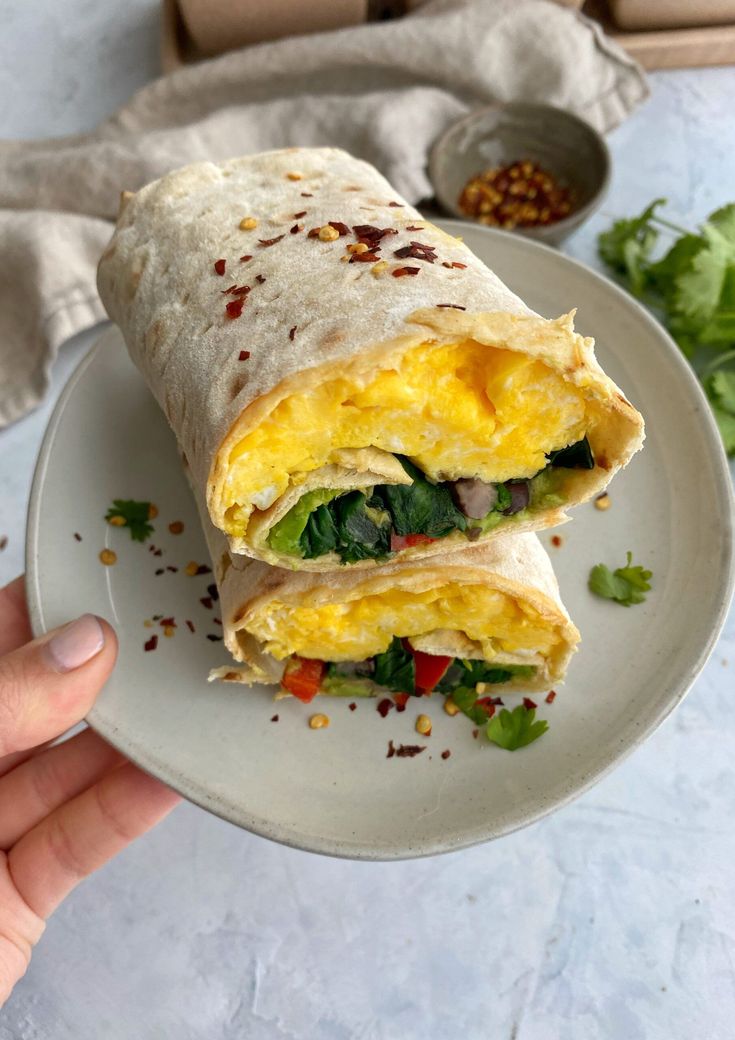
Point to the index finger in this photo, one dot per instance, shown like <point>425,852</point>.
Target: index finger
<point>15,625</point>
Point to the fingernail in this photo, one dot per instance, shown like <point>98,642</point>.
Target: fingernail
<point>75,644</point>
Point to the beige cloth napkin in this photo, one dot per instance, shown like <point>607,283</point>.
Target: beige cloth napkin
<point>382,91</point>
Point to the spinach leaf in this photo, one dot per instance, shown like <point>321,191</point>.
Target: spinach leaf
<point>320,534</point>
<point>575,456</point>
<point>395,669</point>
<point>284,537</point>
<point>461,673</point>
<point>421,507</point>
<point>362,526</point>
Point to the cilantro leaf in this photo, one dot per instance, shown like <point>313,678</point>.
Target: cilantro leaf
<point>629,243</point>
<point>135,516</point>
<point>625,585</point>
<point>720,387</point>
<point>515,729</point>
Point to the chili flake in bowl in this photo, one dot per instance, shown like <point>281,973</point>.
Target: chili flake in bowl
<point>533,169</point>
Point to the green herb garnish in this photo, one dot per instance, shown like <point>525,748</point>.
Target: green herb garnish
<point>515,729</point>
<point>395,669</point>
<point>135,516</point>
<point>626,585</point>
<point>692,287</point>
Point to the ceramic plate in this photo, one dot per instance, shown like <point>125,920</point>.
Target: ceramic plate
<point>333,790</point>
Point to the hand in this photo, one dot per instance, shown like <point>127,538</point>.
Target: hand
<point>64,810</point>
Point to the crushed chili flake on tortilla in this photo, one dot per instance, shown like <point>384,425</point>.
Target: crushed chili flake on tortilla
<point>416,251</point>
<point>292,333</point>
<point>364,258</point>
<point>234,308</point>
<point>265,242</point>
<point>206,601</point>
<point>151,644</point>
<point>400,272</point>
<point>446,754</point>
<point>550,697</point>
<point>243,355</point>
<point>219,266</point>
<point>296,228</point>
<point>384,706</point>
<point>190,625</point>
<point>371,235</point>
<point>338,226</point>
<point>244,259</point>
<point>213,638</point>
<point>306,195</point>
<point>409,750</point>
<point>213,592</point>
<point>237,290</point>
<point>529,705</point>
<point>260,279</point>
<point>454,306</point>
<point>398,204</point>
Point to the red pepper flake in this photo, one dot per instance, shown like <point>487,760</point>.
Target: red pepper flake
<point>528,704</point>
<point>296,228</point>
<point>159,571</point>
<point>298,216</point>
<point>167,622</point>
<point>400,272</point>
<point>384,706</point>
<point>454,306</point>
<point>243,355</point>
<point>213,638</point>
<point>409,750</point>
<point>352,706</point>
<point>206,601</point>
<point>401,700</point>
<point>364,258</point>
<point>398,204</point>
<point>446,754</point>
<point>550,697</point>
<point>174,570</point>
<point>203,569</point>
<point>244,259</point>
<point>292,333</point>
<point>314,233</point>
<point>274,718</point>
<point>487,704</point>
<point>475,732</point>
<point>371,235</point>
<point>236,290</point>
<point>556,541</point>
<point>213,592</point>
<point>456,263</point>
<point>416,251</point>
<point>260,278</point>
<point>190,626</point>
<point>219,266</point>
<point>151,644</point>
<point>217,621</point>
<point>414,227</point>
<point>391,749</point>
<point>340,227</point>
<point>158,552</point>
<point>225,292</point>
<point>234,308</point>
<point>4,540</point>
<point>306,195</point>
<point>265,242</point>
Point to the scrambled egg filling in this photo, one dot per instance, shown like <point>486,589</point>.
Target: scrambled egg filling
<point>459,410</point>
<point>356,629</point>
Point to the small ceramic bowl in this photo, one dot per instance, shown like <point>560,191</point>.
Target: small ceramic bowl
<point>499,135</point>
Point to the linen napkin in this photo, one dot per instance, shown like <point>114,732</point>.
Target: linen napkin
<point>382,91</point>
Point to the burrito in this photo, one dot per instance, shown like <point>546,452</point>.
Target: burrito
<point>487,614</point>
<point>347,382</point>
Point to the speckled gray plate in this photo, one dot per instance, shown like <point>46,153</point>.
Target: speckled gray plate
<point>333,790</point>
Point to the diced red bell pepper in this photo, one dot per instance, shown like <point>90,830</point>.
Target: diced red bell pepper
<point>303,677</point>
<point>429,667</point>
<point>407,541</point>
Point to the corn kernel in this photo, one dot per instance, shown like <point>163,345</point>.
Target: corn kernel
<point>168,631</point>
<point>603,502</point>
<point>423,725</point>
<point>450,707</point>
<point>328,233</point>
<point>294,176</point>
<point>108,557</point>
<point>248,223</point>
<point>191,569</point>
<point>319,721</point>
<point>152,511</point>
<point>380,268</point>
<point>148,623</point>
<point>481,688</point>
<point>117,521</point>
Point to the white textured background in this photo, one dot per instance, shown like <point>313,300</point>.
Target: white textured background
<point>613,919</point>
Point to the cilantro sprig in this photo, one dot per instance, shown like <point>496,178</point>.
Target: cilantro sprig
<point>625,585</point>
<point>515,729</point>
<point>692,288</point>
<point>133,515</point>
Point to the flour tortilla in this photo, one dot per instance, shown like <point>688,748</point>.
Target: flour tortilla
<point>158,283</point>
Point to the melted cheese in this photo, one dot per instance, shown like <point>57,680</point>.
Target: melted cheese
<point>355,629</point>
<point>462,409</point>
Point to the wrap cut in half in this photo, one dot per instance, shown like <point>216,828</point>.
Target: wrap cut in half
<point>348,382</point>
<point>482,614</point>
